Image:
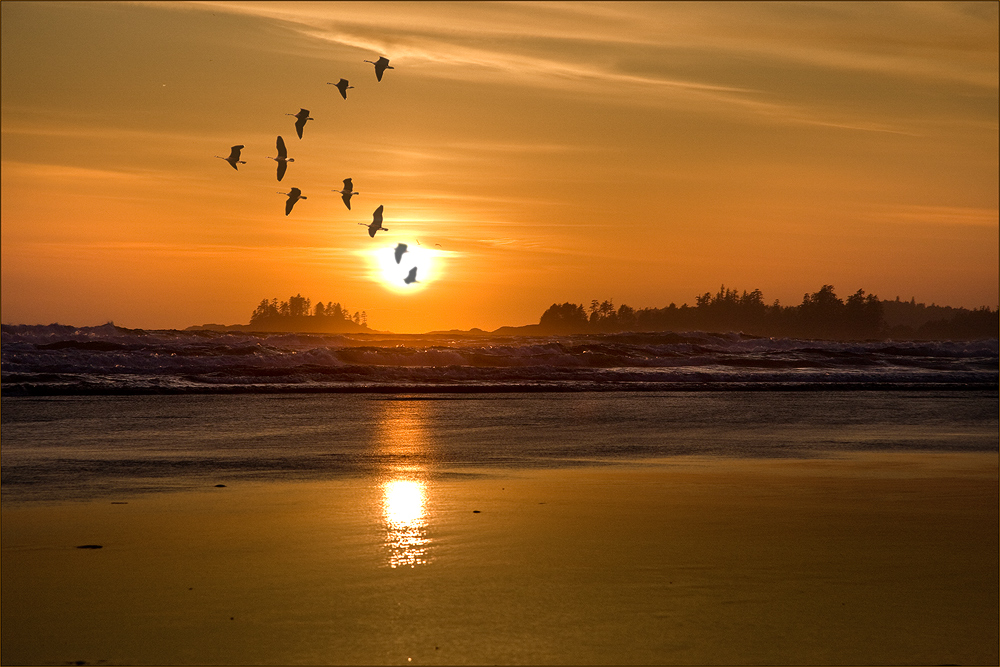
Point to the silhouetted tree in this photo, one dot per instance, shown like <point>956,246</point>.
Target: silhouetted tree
<point>564,318</point>
<point>821,314</point>
<point>863,314</point>
<point>981,323</point>
<point>298,306</point>
<point>626,317</point>
<point>298,312</point>
<point>263,310</point>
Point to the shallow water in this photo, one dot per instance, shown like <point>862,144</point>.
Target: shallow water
<point>836,527</point>
<point>58,448</point>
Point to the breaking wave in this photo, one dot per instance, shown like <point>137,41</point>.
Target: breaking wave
<point>58,359</point>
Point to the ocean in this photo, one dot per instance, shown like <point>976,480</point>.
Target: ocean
<point>198,498</point>
<point>83,447</point>
<point>104,410</point>
<point>58,360</point>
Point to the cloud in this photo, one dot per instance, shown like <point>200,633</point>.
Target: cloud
<point>941,215</point>
<point>102,249</point>
<point>82,175</point>
<point>695,56</point>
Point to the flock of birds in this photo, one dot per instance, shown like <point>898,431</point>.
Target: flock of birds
<point>348,191</point>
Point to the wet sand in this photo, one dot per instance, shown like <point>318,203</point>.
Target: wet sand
<point>867,559</point>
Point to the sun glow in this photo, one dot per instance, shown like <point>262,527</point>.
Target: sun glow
<point>393,275</point>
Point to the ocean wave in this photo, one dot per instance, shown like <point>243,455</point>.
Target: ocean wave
<point>58,359</point>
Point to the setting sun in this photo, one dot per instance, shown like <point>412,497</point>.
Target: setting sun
<point>393,275</point>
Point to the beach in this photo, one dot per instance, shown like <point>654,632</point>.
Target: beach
<point>876,554</point>
<point>850,527</point>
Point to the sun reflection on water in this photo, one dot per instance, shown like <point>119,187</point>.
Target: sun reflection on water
<point>403,504</point>
<point>403,447</point>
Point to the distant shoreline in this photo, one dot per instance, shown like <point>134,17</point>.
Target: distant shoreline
<point>527,330</point>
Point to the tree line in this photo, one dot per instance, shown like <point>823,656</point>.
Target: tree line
<point>822,314</point>
<point>299,310</point>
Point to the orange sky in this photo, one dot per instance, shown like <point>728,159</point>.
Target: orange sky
<point>644,153</point>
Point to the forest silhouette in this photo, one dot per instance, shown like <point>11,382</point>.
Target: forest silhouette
<point>821,315</point>
<point>299,314</point>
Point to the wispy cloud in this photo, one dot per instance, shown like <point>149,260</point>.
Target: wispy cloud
<point>80,175</point>
<point>940,215</point>
<point>181,250</point>
<point>585,48</point>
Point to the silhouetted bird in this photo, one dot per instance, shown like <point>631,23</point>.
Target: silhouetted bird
<point>302,116</point>
<point>381,65</point>
<point>282,158</point>
<point>400,249</point>
<point>376,223</point>
<point>341,86</point>
<point>347,192</point>
<point>293,196</point>
<point>234,157</point>
<point>411,277</point>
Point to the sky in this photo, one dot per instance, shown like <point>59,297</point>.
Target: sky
<point>527,154</point>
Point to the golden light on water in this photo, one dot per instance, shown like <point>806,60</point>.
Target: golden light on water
<point>402,444</point>
<point>404,502</point>
<point>404,509</point>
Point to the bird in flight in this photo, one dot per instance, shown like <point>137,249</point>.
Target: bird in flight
<point>376,223</point>
<point>381,65</point>
<point>411,277</point>
<point>282,158</point>
<point>400,249</point>
<point>293,196</point>
<point>347,192</point>
<point>341,86</point>
<point>234,157</point>
<point>302,116</point>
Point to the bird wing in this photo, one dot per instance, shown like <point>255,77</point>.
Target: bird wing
<point>377,216</point>
<point>282,151</point>
<point>347,199</point>
<point>282,166</point>
<point>380,67</point>
<point>372,228</point>
<point>234,153</point>
<point>411,277</point>
<point>299,124</point>
<point>348,185</point>
<point>400,249</point>
<point>295,193</point>
<point>289,204</point>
